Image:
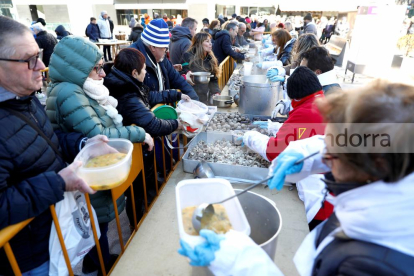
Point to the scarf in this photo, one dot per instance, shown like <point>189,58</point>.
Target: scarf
<point>95,90</point>
<point>159,74</point>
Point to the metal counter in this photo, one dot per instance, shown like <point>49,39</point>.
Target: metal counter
<point>153,250</point>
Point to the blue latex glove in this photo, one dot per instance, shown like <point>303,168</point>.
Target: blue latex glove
<point>272,73</point>
<point>277,78</point>
<point>264,40</point>
<point>285,164</point>
<point>261,124</point>
<point>266,45</point>
<point>202,254</point>
<point>259,65</point>
<point>240,139</point>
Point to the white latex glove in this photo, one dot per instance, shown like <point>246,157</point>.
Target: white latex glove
<point>240,255</point>
<point>257,142</point>
<point>283,107</point>
<point>188,78</point>
<point>273,127</point>
<point>185,97</point>
<point>149,141</point>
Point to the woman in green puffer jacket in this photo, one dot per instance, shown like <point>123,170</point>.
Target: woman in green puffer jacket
<point>79,102</point>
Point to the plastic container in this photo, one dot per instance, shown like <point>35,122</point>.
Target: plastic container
<point>247,68</point>
<point>196,191</point>
<point>105,178</point>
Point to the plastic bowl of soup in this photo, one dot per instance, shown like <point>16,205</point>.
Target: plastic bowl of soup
<point>191,193</point>
<point>105,165</point>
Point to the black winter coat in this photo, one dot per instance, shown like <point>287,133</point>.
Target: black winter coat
<point>93,32</point>
<point>203,90</point>
<point>180,42</point>
<point>346,256</point>
<point>29,182</point>
<point>172,79</point>
<point>135,102</point>
<point>135,34</point>
<point>286,56</point>
<point>222,47</point>
<point>47,42</point>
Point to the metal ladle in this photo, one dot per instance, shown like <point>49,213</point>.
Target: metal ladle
<point>208,209</point>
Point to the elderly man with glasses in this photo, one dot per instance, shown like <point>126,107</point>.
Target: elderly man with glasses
<point>240,39</point>
<point>33,171</point>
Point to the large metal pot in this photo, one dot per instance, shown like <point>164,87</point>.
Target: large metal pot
<point>259,96</point>
<point>222,101</point>
<point>264,219</point>
<point>201,77</point>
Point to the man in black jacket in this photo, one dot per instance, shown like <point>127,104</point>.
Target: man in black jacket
<point>181,39</point>
<point>161,74</point>
<point>223,44</point>
<point>33,172</point>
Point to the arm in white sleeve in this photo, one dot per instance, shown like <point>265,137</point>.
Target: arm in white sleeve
<point>257,142</point>
<point>240,255</point>
<point>311,165</point>
<point>267,64</point>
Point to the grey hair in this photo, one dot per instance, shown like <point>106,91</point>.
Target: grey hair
<point>10,29</point>
<point>288,23</point>
<point>304,43</point>
<point>241,24</point>
<point>189,22</point>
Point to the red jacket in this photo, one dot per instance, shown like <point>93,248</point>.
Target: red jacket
<point>304,121</point>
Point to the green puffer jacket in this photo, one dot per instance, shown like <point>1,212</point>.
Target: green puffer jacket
<point>71,110</point>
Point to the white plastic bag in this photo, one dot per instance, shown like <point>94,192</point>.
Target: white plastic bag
<point>75,224</point>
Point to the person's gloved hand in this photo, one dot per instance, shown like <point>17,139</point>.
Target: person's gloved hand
<point>283,107</point>
<point>259,65</point>
<point>273,75</point>
<point>188,78</point>
<point>240,139</point>
<point>261,124</point>
<point>266,45</point>
<point>285,164</point>
<point>202,254</point>
<point>264,40</point>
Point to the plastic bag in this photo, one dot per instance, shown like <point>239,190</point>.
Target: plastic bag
<point>75,224</point>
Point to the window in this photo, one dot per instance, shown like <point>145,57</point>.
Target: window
<point>124,16</point>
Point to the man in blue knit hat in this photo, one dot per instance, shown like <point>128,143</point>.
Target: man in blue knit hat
<point>161,74</point>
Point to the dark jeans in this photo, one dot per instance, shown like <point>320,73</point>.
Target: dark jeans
<point>107,52</point>
<point>103,241</point>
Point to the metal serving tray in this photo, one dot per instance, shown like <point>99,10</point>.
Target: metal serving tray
<point>220,169</point>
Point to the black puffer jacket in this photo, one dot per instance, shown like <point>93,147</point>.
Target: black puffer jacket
<point>135,33</point>
<point>222,47</point>
<point>47,42</point>
<point>203,90</point>
<point>29,182</point>
<point>135,101</point>
<point>180,42</point>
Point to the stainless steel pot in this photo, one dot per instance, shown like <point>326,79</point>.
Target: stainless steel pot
<point>258,96</point>
<point>264,219</point>
<point>222,101</point>
<point>202,77</point>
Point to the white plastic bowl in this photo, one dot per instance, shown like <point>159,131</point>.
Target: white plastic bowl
<point>108,177</point>
<point>196,191</point>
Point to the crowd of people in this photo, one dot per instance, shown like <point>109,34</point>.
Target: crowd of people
<point>93,96</point>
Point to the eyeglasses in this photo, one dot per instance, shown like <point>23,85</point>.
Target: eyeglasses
<point>328,158</point>
<point>99,69</point>
<point>31,62</point>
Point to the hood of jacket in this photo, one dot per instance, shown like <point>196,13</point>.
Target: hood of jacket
<point>180,33</point>
<point>222,33</point>
<point>380,213</point>
<point>73,59</point>
<point>138,29</point>
<point>61,31</point>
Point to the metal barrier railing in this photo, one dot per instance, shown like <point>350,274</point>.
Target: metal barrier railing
<point>226,68</point>
<point>137,167</point>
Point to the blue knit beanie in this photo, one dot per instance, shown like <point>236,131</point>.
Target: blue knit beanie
<point>156,33</point>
